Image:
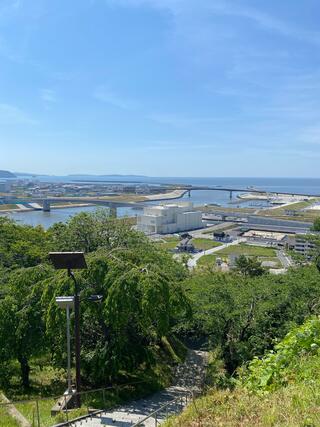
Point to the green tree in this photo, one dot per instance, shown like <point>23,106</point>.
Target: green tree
<point>22,331</point>
<point>243,315</point>
<point>249,266</point>
<point>89,232</point>
<point>21,245</point>
<point>316,224</point>
<point>142,300</point>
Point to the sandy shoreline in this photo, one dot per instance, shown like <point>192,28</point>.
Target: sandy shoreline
<point>175,194</point>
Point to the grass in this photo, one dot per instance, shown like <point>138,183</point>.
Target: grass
<point>294,406</point>
<point>210,260</point>
<point>203,244</point>
<point>300,215</point>
<point>280,389</point>
<point>148,381</point>
<point>169,243</point>
<point>6,420</point>
<point>207,261</point>
<point>98,400</point>
<point>6,207</point>
<point>249,250</point>
<point>49,381</point>
<point>29,411</point>
<point>264,254</point>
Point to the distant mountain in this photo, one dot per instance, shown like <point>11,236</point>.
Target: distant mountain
<point>7,174</point>
<point>25,174</point>
<point>107,176</point>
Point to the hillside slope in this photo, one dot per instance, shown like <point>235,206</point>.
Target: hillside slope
<point>282,389</point>
<point>6,174</point>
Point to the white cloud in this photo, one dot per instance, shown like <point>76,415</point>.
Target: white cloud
<point>231,8</point>
<point>12,115</point>
<point>184,121</point>
<point>103,94</point>
<point>48,96</point>
<point>265,21</point>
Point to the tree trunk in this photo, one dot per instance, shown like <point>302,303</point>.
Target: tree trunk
<point>25,370</point>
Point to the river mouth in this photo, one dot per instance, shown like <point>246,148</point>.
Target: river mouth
<point>198,198</point>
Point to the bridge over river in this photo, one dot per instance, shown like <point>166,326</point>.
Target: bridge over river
<point>47,202</point>
<point>114,204</point>
<point>232,190</point>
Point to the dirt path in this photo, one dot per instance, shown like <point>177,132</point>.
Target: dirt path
<point>189,376</point>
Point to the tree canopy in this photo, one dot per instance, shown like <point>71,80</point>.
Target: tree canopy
<point>146,295</point>
<point>139,282</point>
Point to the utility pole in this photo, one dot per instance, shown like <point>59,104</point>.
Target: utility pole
<point>77,334</point>
<point>71,261</point>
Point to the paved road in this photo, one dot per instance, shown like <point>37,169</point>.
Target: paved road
<point>203,232</point>
<point>192,262</point>
<point>285,260</point>
<point>189,377</point>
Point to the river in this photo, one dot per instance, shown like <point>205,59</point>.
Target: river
<point>200,197</point>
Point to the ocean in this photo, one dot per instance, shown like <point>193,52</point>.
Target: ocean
<point>200,197</point>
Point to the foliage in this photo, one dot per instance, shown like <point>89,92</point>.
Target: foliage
<point>294,406</point>
<point>21,245</point>
<point>6,420</point>
<point>89,232</point>
<point>249,266</point>
<point>140,284</point>
<point>216,374</point>
<point>316,224</point>
<point>21,321</point>
<point>243,315</point>
<point>148,297</point>
<point>283,364</point>
<point>279,389</point>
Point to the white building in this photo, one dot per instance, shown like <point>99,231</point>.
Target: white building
<point>5,186</point>
<point>169,218</point>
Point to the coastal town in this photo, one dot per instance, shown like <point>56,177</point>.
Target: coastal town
<point>159,213</point>
<point>206,235</point>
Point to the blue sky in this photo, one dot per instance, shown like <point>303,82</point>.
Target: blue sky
<point>160,87</point>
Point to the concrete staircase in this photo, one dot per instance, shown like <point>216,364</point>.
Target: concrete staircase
<point>189,378</point>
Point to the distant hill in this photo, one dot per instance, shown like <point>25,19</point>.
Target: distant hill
<point>107,176</point>
<point>7,174</point>
<point>25,174</point>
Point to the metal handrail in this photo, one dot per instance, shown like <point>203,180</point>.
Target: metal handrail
<point>15,402</point>
<point>36,422</point>
<point>187,395</point>
<point>165,406</point>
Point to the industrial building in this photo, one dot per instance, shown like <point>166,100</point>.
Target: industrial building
<point>169,218</point>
